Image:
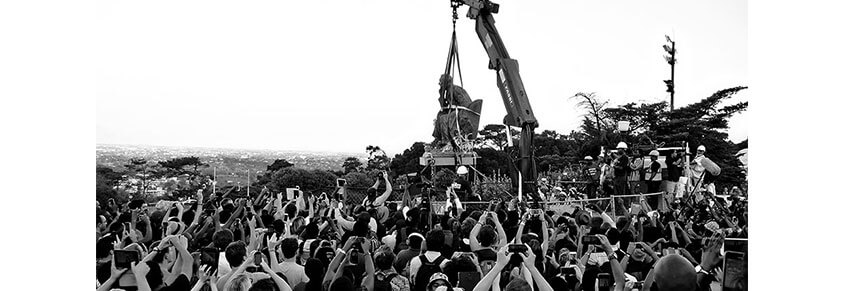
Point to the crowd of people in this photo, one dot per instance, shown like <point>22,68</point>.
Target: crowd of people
<point>323,242</point>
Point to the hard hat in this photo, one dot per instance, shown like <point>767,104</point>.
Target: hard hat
<point>653,153</point>
<point>588,158</point>
<point>462,170</point>
<point>701,148</point>
<point>622,145</point>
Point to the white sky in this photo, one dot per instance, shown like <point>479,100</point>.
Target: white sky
<point>340,75</point>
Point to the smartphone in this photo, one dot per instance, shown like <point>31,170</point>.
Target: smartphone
<point>353,257</point>
<point>257,258</point>
<point>124,258</point>
<point>605,281</point>
<point>518,248</point>
<point>590,240</point>
<point>735,271</point>
<point>567,271</point>
<point>290,193</point>
<point>209,256</point>
<point>127,226</point>
<point>341,182</point>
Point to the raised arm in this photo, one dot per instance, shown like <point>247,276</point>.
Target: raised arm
<point>369,279</point>
<point>536,276</point>
<point>502,259</point>
<point>388,189</point>
<point>283,286</point>
<point>474,245</point>
<point>618,272</point>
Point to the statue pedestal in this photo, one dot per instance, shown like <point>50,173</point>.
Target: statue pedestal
<point>448,159</point>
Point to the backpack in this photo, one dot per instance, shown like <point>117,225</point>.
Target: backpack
<point>383,282</point>
<point>426,270</point>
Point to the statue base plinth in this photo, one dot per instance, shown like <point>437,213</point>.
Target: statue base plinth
<point>448,158</point>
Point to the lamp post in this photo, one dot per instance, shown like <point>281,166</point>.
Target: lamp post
<point>670,84</point>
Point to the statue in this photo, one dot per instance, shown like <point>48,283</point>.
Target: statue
<point>458,118</point>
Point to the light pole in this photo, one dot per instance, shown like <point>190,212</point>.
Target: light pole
<point>670,84</point>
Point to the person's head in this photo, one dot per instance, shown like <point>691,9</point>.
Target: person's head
<point>222,238</point>
<point>265,284</point>
<point>104,246</point>
<point>434,240</point>
<point>674,272</point>
<point>653,155</point>
<point>236,253</point>
<point>415,241</point>
<point>325,255</point>
<point>371,193</point>
<point>438,280</point>
<point>314,268</point>
<point>466,227</point>
<point>240,282</point>
<point>487,236</point>
<point>384,259</point>
<point>289,247</point>
<point>518,284</point>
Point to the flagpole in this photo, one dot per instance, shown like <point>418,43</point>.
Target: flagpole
<point>214,182</point>
<point>247,183</point>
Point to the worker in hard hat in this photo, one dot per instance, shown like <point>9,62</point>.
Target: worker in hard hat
<point>463,187</point>
<point>699,165</point>
<point>653,177</point>
<point>621,169</point>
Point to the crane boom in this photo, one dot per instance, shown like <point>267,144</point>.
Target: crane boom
<point>510,87</point>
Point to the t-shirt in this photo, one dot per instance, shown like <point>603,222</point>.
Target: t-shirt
<point>673,171</point>
<point>622,167</point>
<point>485,255</point>
<point>403,258</point>
<point>465,192</point>
<point>294,272</point>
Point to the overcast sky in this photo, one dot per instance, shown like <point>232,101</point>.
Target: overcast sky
<point>341,75</point>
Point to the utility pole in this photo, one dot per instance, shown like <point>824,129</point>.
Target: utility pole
<point>670,84</point>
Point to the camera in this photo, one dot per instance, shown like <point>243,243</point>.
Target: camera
<point>518,248</point>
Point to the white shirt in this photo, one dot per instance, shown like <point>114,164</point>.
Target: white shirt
<point>294,272</point>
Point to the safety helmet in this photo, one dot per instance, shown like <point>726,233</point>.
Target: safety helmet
<point>588,158</point>
<point>462,170</point>
<point>653,153</point>
<point>701,148</point>
<point>622,145</point>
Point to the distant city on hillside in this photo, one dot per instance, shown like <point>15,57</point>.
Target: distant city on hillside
<point>230,164</point>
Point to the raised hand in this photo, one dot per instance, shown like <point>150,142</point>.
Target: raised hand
<point>502,256</point>
<point>140,269</point>
<point>115,272</point>
<point>529,259</point>
<point>605,243</point>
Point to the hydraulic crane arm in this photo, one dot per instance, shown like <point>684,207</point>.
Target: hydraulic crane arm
<point>510,86</point>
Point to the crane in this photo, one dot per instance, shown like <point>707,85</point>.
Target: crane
<point>519,113</point>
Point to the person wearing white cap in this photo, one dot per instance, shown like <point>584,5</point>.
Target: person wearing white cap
<point>463,187</point>
<point>701,164</point>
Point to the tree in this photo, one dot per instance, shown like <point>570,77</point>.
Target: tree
<point>139,167</point>
<point>409,160</point>
<point>107,180</point>
<point>183,165</point>
<point>595,110</point>
<point>494,136</point>
<point>378,159</point>
<point>352,164</point>
<point>279,164</point>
